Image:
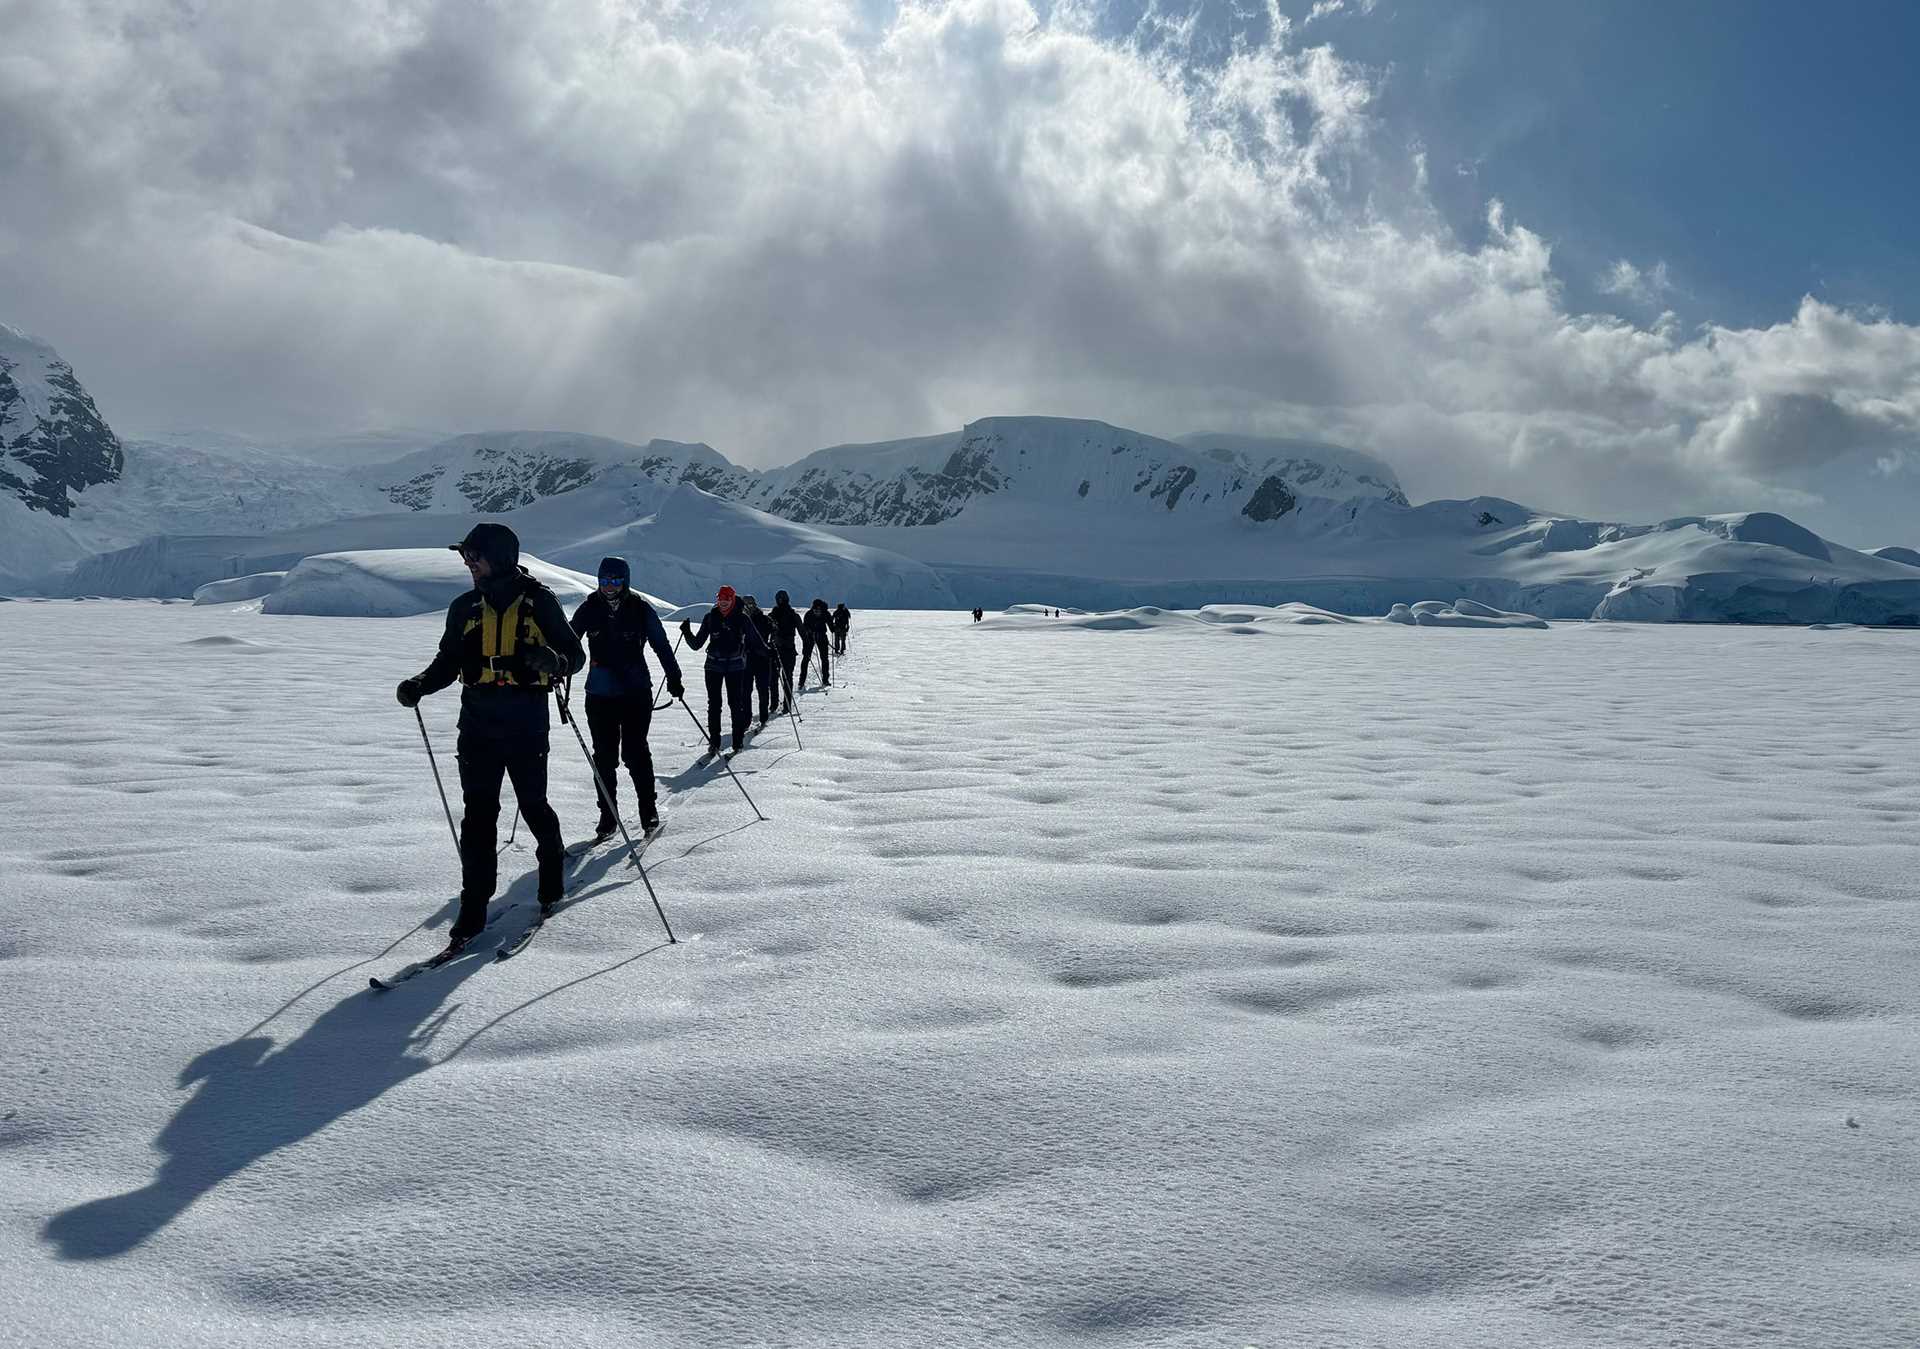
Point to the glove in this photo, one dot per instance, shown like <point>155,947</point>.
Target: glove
<point>408,693</point>
<point>675,689</point>
<point>686,627</point>
<point>544,660</point>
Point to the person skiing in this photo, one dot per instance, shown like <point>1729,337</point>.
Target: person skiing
<point>507,642</point>
<point>814,633</point>
<point>842,617</point>
<point>762,663</point>
<point>619,626</point>
<point>786,631</point>
<point>734,638</point>
<point>978,614</point>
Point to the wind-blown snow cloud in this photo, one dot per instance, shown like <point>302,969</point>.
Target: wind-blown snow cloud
<point>793,224</point>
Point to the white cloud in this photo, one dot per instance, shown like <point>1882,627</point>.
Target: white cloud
<point>1648,289</point>
<point>786,226</point>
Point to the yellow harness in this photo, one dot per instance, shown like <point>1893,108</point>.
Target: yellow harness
<point>494,640</point>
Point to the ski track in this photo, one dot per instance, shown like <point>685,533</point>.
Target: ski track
<point>1346,985</point>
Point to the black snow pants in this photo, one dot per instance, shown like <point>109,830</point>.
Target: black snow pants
<point>765,672</point>
<point>739,687</point>
<point>788,659</point>
<point>483,763</point>
<point>807,648</point>
<point>618,723</point>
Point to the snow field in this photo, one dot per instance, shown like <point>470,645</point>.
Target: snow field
<point>1187,983</point>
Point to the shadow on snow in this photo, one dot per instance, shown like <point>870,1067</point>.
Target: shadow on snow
<point>254,1098</point>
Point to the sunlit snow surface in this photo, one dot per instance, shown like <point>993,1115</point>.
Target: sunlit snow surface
<point>1195,983</point>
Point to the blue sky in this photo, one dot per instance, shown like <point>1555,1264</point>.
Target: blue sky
<point>1762,150</point>
<point>774,225</point>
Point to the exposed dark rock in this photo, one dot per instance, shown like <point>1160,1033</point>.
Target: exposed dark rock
<point>1174,484</point>
<point>1270,500</point>
<point>68,448</point>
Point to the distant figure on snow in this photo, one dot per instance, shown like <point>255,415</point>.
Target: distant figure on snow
<point>842,617</point>
<point>734,637</point>
<point>978,614</point>
<point>619,627</point>
<point>506,641</point>
<point>813,632</point>
<point>786,631</point>
<point>763,664</point>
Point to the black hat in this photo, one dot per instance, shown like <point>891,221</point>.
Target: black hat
<point>615,566</point>
<point>780,597</point>
<point>492,540</point>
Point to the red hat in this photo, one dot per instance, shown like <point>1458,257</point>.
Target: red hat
<point>726,594</point>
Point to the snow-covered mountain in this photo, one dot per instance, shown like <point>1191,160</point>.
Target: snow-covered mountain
<point>503,470</point>
<point>1003,510</point>
<point>1366,553</point>
<point>53,441</point>
<point>1069,466</point>
<point>682,542</point>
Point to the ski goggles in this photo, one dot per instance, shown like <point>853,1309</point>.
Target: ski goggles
<point>606,581</point>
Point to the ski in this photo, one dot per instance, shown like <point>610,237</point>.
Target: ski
<point>508,950</point>
<point>406,972</point>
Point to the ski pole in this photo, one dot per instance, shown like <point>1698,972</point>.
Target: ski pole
<point>676,646</point>
<point>436,781</point>
<point>606,804</point>
<point>723,761</point>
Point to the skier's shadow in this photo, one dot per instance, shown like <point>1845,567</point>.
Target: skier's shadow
<point>254,1099</point>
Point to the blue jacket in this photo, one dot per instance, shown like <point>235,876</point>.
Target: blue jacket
<point>617,642</point>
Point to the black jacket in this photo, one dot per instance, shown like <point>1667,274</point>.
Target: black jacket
<point>734,638</point>
<point>841,617</point>
<point>786,624</point>
<point>814,626</point>
<point>762,658</point>
<point>617,640</point>
<point>513,705</point>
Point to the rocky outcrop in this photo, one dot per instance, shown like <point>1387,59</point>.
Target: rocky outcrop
<point>53,440</point>
<point>1270,500</point>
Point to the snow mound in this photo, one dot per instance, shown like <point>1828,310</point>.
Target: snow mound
<point>226,642</point>
<point>1462,613</point>
<point>396,583</point>
<point>239,588</point>
<point>1910,557</point>
<point>1241,615</point>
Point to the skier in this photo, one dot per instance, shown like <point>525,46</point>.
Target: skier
<point>978,614</point>
<point>842,616</point>
<point>762,663</point>
<point>619,626</point>
<point>813,632</point>
<point>506,641</point>
<point>734,637</point>
<point>786,630</point>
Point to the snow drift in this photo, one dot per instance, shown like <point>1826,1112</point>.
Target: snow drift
<point>397,583</point>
